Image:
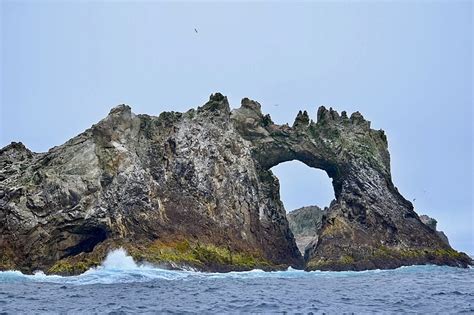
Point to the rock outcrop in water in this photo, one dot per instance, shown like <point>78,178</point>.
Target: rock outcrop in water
<point>196,189</point>
<point>305,224</point>
<point>431,223</point>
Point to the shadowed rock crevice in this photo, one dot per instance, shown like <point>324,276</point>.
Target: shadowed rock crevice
<point>88,239</point>
<point>196,189</point>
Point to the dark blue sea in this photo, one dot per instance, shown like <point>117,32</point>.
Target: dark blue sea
<point>120,286</point>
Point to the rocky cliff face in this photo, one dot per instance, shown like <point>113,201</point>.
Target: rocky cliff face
<point>305,224</point>
<point>369,224</point>
<point>196,188</point>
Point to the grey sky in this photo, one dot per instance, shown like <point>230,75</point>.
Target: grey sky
<point>406,66</point>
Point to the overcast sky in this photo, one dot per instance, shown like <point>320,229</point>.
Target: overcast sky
<point>406,66</point>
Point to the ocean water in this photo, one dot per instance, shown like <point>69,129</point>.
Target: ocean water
<point>120,286</point>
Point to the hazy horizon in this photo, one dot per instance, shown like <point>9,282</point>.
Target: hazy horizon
<point>407,67</point>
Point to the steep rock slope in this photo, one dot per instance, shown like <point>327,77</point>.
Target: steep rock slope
<point>196,188</point>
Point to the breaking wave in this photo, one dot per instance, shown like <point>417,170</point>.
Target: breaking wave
<point>119,267</point>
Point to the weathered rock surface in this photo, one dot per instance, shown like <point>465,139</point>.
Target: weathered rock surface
<point>305,224</point>
<point>431,223</point>
<point>196,188</point>
<point>369,225</point>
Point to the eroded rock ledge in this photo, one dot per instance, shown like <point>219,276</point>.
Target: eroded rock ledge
<point>431,223</point>
<point>196,189</point>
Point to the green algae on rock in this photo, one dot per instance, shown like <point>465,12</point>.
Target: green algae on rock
<point>170,255</point>
<point>389,258</point>
<point>207,257</point>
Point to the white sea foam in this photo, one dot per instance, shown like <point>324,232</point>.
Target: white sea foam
<point>119,267</point>
<point>119,259</point>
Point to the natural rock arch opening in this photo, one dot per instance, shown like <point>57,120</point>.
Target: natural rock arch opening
<point>306,194</point>
<point>301,185</point>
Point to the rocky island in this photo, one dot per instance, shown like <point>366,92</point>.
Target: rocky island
<point>195,189</point>
<point>305,224</point>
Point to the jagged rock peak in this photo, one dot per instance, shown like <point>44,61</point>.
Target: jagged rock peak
<point>15,146</point>
<point>217,97</point>
<point>248,103</point>
<point>356,118</point>
<point>217,103</point>
<point>301,120</point>
<point>15,151</point>
<point>325,115</point>
<point>119,119</point>
<point>119,109</point>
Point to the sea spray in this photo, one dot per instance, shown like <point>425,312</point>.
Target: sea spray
<point>119,259</point>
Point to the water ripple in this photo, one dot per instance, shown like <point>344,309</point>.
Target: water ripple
<point>122,287</point>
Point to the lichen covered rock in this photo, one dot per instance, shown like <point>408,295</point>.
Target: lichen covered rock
<point>202,178</point>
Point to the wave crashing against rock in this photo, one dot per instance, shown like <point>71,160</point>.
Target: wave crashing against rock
<point>196,189</point>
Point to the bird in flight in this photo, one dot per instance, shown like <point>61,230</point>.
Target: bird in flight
<point>195,30</point>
